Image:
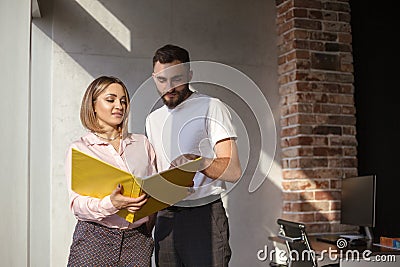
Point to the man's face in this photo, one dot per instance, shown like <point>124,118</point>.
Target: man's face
<point>172,82</point>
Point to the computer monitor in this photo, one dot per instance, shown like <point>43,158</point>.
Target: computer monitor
<point>358,202</point>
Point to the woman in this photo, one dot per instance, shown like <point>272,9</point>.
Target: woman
<point>101,237</point>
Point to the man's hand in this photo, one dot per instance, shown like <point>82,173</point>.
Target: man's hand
<point>120,201</point>
<point>225,166</point>
<point>182,159</point>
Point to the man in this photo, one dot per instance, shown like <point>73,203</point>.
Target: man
<point>194,232</point>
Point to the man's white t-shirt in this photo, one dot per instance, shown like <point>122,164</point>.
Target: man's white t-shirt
<point>192,127</point>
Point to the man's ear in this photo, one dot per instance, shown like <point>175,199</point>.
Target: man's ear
<point>190,75</point>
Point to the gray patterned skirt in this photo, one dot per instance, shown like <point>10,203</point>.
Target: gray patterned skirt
<point>100,246</point>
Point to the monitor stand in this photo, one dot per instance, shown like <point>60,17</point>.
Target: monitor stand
<point>368,233</point>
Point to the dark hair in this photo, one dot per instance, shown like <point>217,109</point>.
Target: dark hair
<point>169,53</point>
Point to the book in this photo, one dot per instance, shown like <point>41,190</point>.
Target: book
<point>384,246</point>
<point>393,242</point>
<point>93,177</point>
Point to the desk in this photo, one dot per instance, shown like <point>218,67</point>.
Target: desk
<point>320,246</point>
<point>353,256</point>
<point>368,255</point>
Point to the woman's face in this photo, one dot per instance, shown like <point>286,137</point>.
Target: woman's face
<point>110,106</point>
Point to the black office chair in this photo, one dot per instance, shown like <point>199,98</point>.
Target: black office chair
<point>300,253</point>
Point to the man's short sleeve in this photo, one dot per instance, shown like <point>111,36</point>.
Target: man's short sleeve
<point>219,122</point>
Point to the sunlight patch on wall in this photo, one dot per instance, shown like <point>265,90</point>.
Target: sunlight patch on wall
<point>109,22</point>
<point>271,170</point>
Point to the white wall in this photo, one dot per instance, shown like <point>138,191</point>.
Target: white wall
<point>76,41</point>
<point>14,134</point>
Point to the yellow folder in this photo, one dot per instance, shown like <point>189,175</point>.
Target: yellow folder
<point>96,178</point>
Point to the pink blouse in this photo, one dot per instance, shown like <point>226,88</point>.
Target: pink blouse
<point>136,156</point>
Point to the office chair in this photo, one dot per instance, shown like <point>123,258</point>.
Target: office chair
<point>300,253</point>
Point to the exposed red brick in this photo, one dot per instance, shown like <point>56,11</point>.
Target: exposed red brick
<point>313,174</point>
<point>350,172</point>
<point>347,89</point>
<point>315,14</point>
<point>335,162</point>
<point>336,26</point>
<point>334,205</point>
<point>284,68</point>
<point>317,46</point>
<point>286,207</point>
<point>325,61</point>
<point>307,195</point>
<point>327,216</point>
<point>336,184</point>
<point>307,24</point>
<point>345,17</point>
<point>343,140</point>
<point>350,151</point>
<point>297,151</point>
<point>349,130</point>
<point>291,196</point>
<point>344,37</point>
<point>327,195</point>
<point>328,151</point>
<point>318,134</point>
<point>311,4</point>
<point>347,109</point>
<point>299,217</point>
<point>285,164</point>
<point>324,36</point>
<point>310,162</point>
<point>295,185</point>
<point>313,206</point>
<point>329,15</point>
<point>336,6</point>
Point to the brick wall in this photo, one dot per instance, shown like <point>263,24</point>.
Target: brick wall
<point>318,141</point>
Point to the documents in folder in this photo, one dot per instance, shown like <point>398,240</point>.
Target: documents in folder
<point>96,178</point>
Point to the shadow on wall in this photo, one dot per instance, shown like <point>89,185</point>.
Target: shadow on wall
<point>99,35</point>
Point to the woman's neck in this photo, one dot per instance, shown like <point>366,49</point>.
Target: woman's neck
<point>110,134</point>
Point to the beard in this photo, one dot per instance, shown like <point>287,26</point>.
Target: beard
<point>181,96</point>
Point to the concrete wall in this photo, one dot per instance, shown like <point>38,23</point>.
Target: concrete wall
<point>76,41</point>
<point>41,204</point>
<point>14,135</point>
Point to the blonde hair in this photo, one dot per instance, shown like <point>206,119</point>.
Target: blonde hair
<point>88,115</point>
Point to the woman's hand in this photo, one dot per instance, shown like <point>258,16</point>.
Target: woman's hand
<point>120,201</point>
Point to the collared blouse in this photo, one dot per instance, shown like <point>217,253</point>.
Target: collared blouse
<point>136,155</point>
